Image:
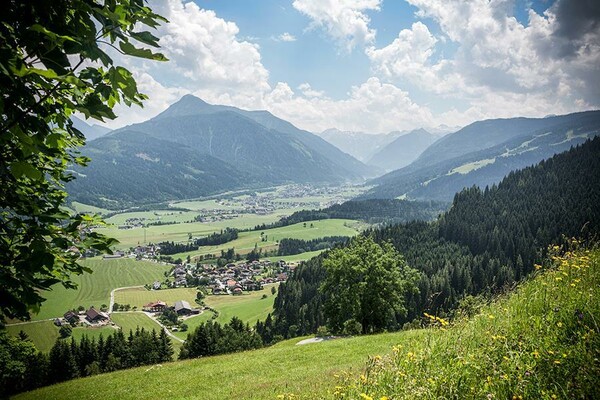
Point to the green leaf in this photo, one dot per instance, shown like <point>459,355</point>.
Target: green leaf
<point>131,50</point>
<point>21,168</point>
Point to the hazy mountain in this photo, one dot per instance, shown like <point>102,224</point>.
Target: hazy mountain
<point>403,150</point>
<point>132,168</point>
<point>360,145</point>
<point>194,148</point>
<point>483,153</point>
<point>91,132</point>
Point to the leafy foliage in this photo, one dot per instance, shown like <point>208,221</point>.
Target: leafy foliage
<point>366,284</point>
<point>53,62</point>
<point>210,338</point>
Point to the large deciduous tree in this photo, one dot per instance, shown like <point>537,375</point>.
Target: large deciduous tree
<point>366,283</point>
<point>54,62</point>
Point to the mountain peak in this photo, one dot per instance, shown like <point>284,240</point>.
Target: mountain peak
<point>187,105</point>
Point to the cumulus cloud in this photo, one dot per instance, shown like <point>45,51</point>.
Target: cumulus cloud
<point>345,21</point>
<point>501,67</point>
<point>373,106</point>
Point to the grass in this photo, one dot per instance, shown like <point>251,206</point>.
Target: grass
<point>132,320</point>
<point>249,308</point>
<point>85,208</point>
<point>92,332</point>
<point>247,240</point>
<point>42,333</point>
<point>139,296</point>
<point>296,257</point>
<point>94,289</point>
<point>265,373</point>
<point>540,342</point>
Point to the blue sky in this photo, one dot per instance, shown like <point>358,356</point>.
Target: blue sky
<point>378,65</point>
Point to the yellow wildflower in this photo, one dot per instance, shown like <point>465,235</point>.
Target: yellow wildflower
<point>365,396</point>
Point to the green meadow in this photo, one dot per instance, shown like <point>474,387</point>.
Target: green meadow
<point>313,230</point>
<point>94,289</point>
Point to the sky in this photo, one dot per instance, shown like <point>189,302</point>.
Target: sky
<point>375,65</point>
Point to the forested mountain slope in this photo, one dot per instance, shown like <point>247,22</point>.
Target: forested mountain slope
<point>488,239</point>
<point>512,144</point>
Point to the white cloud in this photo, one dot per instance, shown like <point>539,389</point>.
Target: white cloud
<point>501,67</point>
<point>372,106</point>
<point>345,21</point>
<point>286,37</point>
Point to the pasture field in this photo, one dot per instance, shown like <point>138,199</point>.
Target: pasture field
<point>92,332</point>
<point>131,320</point>
<point>94,289</point>
<point>247,240</point>
<point>249,307</point>
<point>43,334</point>
<point>284,368</point>
<point>137,297</point>
<point>84,208</point>
<point>179,232</point>
<point>296,257</point>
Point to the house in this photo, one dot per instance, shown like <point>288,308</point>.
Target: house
<point>71,317</point>
<point>155,306</point>
<point>182,307</point>
<point>94,316</point>
<point>116,254</point>
<point>237,290</point>
<point>156,285</point>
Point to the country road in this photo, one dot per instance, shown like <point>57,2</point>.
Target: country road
<point>112,296</point>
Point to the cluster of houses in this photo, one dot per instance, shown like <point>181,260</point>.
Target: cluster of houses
<point>139,252</point>
<point>231,278</point>
<point>89,317</point>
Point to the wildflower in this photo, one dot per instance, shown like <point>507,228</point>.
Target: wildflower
<point>537,266</point>
<point>535,353</point>
<point>384,398</point>
<point>365,396</point>
<point>363,379</point>
<point>559,324</point>
<point>556,362</point>
<point>490,316</point>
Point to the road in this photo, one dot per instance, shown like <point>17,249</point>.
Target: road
<point>112,296</point>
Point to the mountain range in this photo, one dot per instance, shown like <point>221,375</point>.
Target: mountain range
<point>194,149</point>
<point>483,153</point>
<point>403,150</point>
<point>90,132</point>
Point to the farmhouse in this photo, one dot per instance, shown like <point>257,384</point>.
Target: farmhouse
<point>71,317</point>
<point>155,306</point>
<point>94,316</point>
<point>182,307</point>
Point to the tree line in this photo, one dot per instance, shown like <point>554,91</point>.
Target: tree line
<point>373,211</point>
<point>488,240</point>
<point>23,368</point>
<point>289,247</point>
<point>226,235</point>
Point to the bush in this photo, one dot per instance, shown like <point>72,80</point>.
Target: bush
<point>352,327</point>
<point>322,331</point>
<point>65,331</point>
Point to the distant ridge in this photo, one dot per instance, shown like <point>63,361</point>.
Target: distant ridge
<point>483,153</point>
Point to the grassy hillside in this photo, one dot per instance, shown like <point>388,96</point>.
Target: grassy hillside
<point>541,341</point>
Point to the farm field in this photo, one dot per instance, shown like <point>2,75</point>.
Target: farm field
<point>296,257</point>
<point>132,320</point>
<point>247,240</point>
<point>92,332</point>
<point>94,289</point>
<point>249,308</point>
<point>42,333</point>
<point>137,297</point>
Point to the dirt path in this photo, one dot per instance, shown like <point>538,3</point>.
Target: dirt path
<point>112,296</point>
<point>317,340</point>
